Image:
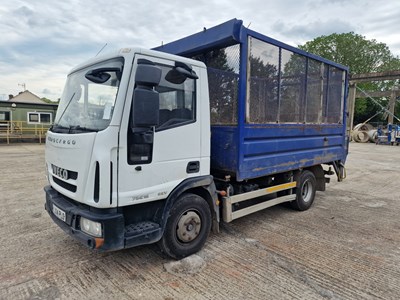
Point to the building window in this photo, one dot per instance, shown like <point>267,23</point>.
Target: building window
<point>39,118</point>
<point>33,118</point>
<point>5,116</point>
<point>45,118</point>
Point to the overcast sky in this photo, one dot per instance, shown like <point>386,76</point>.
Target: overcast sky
<point>42,40</point>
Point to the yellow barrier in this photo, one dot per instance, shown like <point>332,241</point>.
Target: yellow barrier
<point>20,130</point>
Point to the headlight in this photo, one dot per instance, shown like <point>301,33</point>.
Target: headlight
<point>91,227</point>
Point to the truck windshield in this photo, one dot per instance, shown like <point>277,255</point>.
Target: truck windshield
<point>88,100</point>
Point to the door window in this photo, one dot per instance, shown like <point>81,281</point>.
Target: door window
<point>177,102</point>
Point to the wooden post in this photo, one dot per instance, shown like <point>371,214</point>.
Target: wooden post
<point>351,105</point>
<point>8,133</point>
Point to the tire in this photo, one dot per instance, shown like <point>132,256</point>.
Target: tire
<point>187,228</point>
<point>305,191</point>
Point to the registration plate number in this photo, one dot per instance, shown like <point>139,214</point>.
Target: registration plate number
<point>59,213</point>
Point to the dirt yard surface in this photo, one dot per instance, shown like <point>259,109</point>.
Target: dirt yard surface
<point>347,246</point>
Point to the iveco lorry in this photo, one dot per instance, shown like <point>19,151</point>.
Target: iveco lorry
<point>163,145</point>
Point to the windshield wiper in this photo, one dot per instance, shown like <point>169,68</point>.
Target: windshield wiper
<point>78,128</point>
<point>71,129</point>
<point>66,107</point>
<point>59,128</point>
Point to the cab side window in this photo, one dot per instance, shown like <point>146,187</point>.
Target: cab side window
<point>177,102</point>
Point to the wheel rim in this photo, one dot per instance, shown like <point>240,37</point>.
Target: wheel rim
<point>189,226</point>
<point>306,191</point>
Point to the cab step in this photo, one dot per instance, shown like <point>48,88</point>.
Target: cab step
<point>142,233</point>
<point>141,228</point>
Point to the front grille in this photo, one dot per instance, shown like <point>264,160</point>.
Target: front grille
<point>73,175</point>
<point>65,185</point>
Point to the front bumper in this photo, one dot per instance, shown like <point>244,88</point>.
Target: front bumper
<point>112,222</point>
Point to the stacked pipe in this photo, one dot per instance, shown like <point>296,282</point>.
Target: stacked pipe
<point>363,133</point>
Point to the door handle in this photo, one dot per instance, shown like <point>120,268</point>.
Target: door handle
<point>193,167</point>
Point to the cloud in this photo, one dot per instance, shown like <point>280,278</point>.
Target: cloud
<point>42,40</point>
<point>312,30</point>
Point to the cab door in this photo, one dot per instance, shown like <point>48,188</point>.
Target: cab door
<point>153,162</point>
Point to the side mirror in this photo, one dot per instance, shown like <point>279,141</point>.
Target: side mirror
<point>147,74</point>
<point>180,73</point>
<point>146,101</point>
<point>101,75</point>
<point>145,106</point>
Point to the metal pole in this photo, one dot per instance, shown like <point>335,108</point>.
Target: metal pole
<point>392,103</point>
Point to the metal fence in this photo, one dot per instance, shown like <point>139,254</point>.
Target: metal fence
<point>223,82</point>
<point>286,87</point>
<point>19,131</point>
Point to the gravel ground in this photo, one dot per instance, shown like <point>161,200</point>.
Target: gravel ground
<point>347,246</point>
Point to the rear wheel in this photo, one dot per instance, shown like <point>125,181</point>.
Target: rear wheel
<point>187,228</point>
<point>306,188</point>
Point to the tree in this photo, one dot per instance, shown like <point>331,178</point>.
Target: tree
<point>355,51</point>
<point>361,56</point>
<point>44,99</point>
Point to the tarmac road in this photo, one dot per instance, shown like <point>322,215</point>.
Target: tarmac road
<point>347,246</point>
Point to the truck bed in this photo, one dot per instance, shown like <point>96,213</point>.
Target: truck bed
<point>274,108</point>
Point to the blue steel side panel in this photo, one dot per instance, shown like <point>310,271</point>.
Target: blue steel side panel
<point>275,148</point>
<point>223,35</point>
<point>224,149</point>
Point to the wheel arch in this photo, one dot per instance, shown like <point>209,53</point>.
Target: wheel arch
<point>203,187</point>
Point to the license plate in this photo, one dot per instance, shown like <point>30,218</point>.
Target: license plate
<point>59,213</point>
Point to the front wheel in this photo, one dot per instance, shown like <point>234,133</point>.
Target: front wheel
<point>187,228</point>
<point>306,188</point>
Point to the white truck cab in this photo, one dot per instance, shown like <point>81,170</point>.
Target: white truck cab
<point>131,128</point>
